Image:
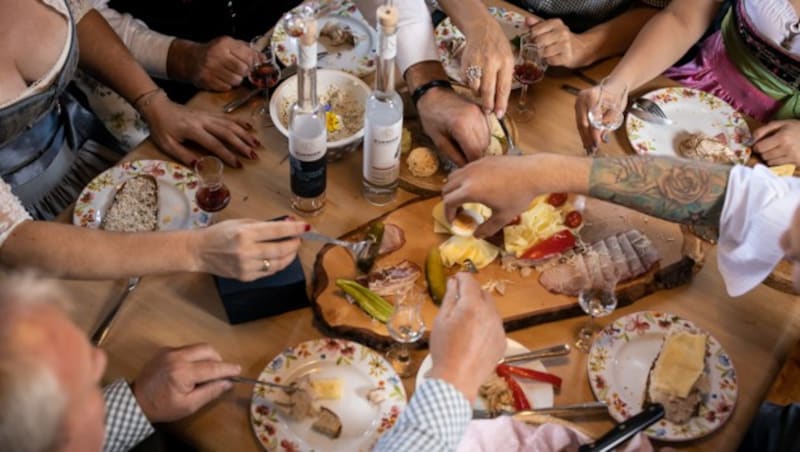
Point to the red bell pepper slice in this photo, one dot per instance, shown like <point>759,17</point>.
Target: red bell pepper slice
<point>552,246</point>
<point>524,372</point>
<point>520,400</point>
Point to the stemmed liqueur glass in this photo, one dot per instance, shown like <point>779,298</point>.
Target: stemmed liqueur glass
<point>406,327</point>
<point>212,195</point>
<point>264,74</point>
<point>597,302</point>
<point>608,110</point>
<point>529,68</point>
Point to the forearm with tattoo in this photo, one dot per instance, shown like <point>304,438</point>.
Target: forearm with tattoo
<point>682,191</point>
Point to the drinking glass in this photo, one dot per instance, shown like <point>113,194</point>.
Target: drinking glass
<point>406,327</point>
<point>212,195</point>
<point>529,68</point>
<point>597,302</point>
<point>264,74</point>
<point>608,110</point>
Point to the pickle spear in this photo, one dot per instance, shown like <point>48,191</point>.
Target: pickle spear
<point>434,274</point>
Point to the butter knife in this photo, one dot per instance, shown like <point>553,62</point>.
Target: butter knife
<point>563,411</point>
<point>625,430</point>
<point>549,352</point>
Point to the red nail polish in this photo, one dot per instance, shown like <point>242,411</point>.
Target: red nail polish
<point>253,155</point>
<point>258,143</point>
<point>308,227</point>
<point>193,164</point>
<point>239,164</point>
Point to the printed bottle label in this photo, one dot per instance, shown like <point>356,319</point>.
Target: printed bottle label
<point>308,56</point>
<point>382,153</point>
<point>388,48</point>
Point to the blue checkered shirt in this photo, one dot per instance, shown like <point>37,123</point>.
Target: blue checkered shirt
<point>434,420</point>
<point>126,424</point>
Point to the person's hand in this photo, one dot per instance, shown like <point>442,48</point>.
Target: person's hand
<point>778,142</point>
<point>479,182</point>
<point>238,248</point>
<point>590,136</point>
<point>557,44</point>
<point>790,242</point>
<point>177,382</point>
<point>488,49</point>
<point>467,339</point>
<point>457,126</point>
<point>172,126</point>
<point>218,65</point>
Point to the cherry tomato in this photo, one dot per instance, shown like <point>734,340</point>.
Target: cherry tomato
<point>573,219</point>
<point>557,199</point>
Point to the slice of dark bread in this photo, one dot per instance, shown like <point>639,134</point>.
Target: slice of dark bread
<point>134,208</point>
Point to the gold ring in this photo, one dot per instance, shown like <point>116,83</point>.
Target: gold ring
<point>265,265</point>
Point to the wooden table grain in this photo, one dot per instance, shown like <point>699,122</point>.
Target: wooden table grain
<point>757,329</point>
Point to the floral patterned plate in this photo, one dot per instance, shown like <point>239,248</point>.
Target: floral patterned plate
<point>620,361</point>
<point>359,368</point>
<point>358,60</point>
<point>540,395</point>
<point>177,185</point>
<point>449,38</point>
<point>692,111</point>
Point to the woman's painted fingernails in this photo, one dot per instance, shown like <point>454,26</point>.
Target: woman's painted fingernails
<point>253,155</point>
<point>308,227</point>
<point>238,164</point>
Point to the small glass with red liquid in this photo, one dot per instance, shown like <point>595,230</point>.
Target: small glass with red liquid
<point>212,195</point>
<point>264,74</point>
<point>529,68</point>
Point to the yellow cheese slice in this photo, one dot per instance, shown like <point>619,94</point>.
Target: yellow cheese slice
<point>458,249</point>
<point>680,364</point>
<point>327,389</point>
<point>783,170</point>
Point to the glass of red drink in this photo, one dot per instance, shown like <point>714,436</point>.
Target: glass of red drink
<point>212,195</point>
<point>264,74</point>
<point>529,68</point>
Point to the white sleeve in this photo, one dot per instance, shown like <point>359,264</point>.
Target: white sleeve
<point>78,8</point>
<point>12,214</point>
<point>150,48</point>
<point>759,207</point>
<point>414,31</point>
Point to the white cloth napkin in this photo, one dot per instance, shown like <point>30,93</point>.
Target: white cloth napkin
<point>759,207</point>
<point>508,435</point>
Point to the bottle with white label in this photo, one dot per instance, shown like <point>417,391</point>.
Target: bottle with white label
<point>308,138</point>
<point>383,118</point>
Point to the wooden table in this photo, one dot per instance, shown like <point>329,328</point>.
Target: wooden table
<point>757,329</point>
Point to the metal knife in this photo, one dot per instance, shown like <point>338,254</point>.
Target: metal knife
<point>564,411</point>
<point>625,430</point>
<point>649,117</point>
<point>557,350</point>
<point>239,101</point>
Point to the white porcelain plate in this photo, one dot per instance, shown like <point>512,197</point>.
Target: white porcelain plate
<point>360,370</point>
<point>358,60</point>
<point>449,38</point>
<point>692,111</point>
<point>540,395</point>
<point>620,361</point>
<point>177,208</point>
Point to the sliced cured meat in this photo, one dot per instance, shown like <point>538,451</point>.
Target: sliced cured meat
<point>618,257</point>
<point>390,281</point>
<point>644,248</point>
<point>592,260</point>
<point>568,278</point>
<point>393,239</point>
<point>606,264</point>
<point>634,263</point>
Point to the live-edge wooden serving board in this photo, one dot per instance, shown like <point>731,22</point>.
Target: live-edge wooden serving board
<point>525,301</point>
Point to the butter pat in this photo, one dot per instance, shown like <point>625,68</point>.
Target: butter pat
<point>327,389</point>
<point>680,364</point>
<point>783,170</point>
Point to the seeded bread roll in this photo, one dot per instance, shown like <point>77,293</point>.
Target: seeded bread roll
<point>423,162</point>
<point>134,208</point>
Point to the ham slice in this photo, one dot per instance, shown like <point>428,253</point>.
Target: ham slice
<point>616,258</point>
<point>390,281</point>
<point>393,239</point>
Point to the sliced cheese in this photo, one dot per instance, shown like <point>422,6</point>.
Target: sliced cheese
<point>440,223</point>
<point>457,249</point>
<point>786,170</point>
<point>680,364</point>
<point>327,389</point>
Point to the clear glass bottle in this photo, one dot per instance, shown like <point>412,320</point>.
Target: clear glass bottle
<point>383,118</point>
<point>308,137</point>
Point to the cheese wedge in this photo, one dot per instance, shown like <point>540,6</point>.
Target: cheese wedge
<point>679,365</point>
<point>783,170</point>
<point>327,389</point>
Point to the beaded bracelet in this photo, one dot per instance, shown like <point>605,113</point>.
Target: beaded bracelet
<point>146,99</point>
<point>422,89</point>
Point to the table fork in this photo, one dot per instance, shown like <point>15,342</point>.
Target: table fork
<point>102,330</point>
<point>252,381</point>
<point>359,249</point>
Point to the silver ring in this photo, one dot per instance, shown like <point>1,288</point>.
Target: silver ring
<point>473,73</point>
<point>265,265</point>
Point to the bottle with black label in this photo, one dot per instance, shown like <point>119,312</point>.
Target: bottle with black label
<point>308,137</point>
<point>383,118</point>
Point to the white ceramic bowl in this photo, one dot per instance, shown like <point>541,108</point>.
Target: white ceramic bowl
<point>325,78</point>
